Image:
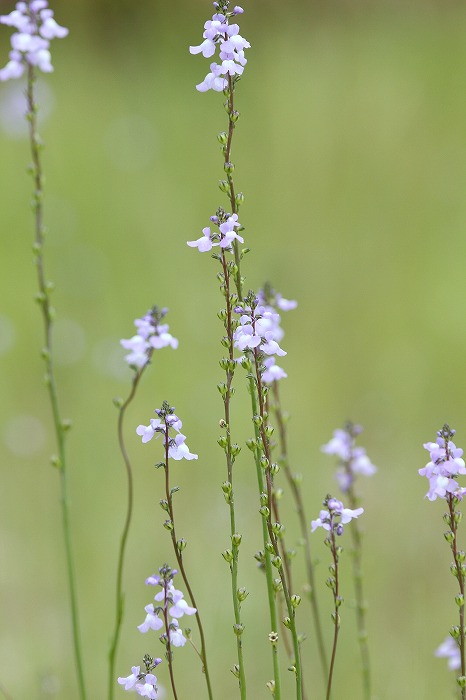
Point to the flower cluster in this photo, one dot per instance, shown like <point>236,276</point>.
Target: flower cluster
<point>445,464</point>
<point>219,32</point>
<point>259,327</point>
<point>172,602</point>
<point>353,460</point>
<point>335,516</point>
<point>30,44</point>
<point>272,301</point>
<point>152,335</point>
<point>166,421</point>
<point>227,223</point>
<point>144,683</point>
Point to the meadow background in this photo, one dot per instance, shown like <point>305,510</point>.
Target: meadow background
<point>351,151</point>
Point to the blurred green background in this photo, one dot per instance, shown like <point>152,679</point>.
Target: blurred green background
<point>351,151</point>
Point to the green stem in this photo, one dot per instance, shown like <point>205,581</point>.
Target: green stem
<point>460,576</point>
<point>60,426</point>
<point>230,459</point>
<point>359,595</point>
<point>119,598</point>
<point>295,490</point>
<point>337,601</point>
<point>179,559</point>
<point>259,388</point>
<point>268,564</point>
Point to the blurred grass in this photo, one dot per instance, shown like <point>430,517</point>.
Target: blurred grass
<point>351,152</point>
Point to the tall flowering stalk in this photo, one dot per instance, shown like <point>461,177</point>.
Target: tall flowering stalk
<point>223,35</point>
<point>446,463</point>
<point>177,449</point>
<point>256,337</point>
<point>273,374</point>
<point>353,462</point>
<point>151,335</point>
<point>35,28</point>
<point>333,519</point>
<point>170,604</point>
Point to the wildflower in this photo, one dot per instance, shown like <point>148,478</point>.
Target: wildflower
<point>205,242</point>
<point>152,621</point>
<point>130,681</point>
<point>177,447</point>
<point>219,33</point>
<point>257,328</point>
<point>353,460</point>
<point>30,44</point>
<point>152,335</point>
<point>446,463</point>
<point>227,223</point>
<point>148,689</point>
<point>177,639</point>
<point>450,650</point>
<point>335,517</point>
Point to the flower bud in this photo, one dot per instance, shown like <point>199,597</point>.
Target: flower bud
<point>277,562</point>
<point>295,600</point>
<point>459,600</point>
<point>181,544</point>
<point>242,594</point>
<point>238,629</point>
<point>222,137</point>
<point>263,510</point>
<point>222,442</point>
<point>228,555</point>
<point>236,539</point>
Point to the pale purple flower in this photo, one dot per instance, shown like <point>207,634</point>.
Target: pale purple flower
<point>213,80</point>
<point>272,371</point>
<point>30,44</point>
<point>139,347</point>
<point>256,332</point>
<point>147,432</point>
<point>176,635</point>
<point>336,515</point>
<point>445,465</point>
<point>180,606</point>
<point>148,689</point>
<point>450,650</point>
<point>205,242</point>
<point>227,229</point>
<point>152,621</point>
<point>219,33</point>
<point>177,447</point>
<point>353,460</point>
<point>130,681</point>
<point>151,335</point>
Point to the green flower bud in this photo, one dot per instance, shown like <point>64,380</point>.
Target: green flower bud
<point>242,594</point>
<point>228,555</point>
<point>236,539</point>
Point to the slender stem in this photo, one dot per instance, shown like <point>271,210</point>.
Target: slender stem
<point>337,601</point>
<point>230,459</point>
<point>179,559</point>
<point>119,597</point>
<point>295,490</point>
<point>457,560</point>
<point>267,558</point>
<point>232,119</point>
<point>60,426</point>
<point>169,648</point>
<point>359,594</point>
<point>258,386</point>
